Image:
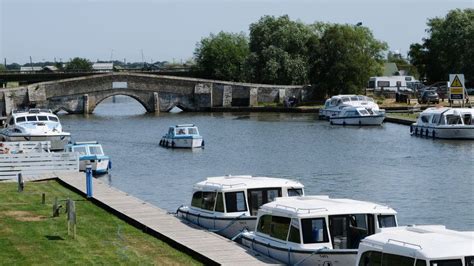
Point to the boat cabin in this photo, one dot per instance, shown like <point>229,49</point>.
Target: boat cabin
<point>446,116</point>
<point>90,153</point>
<point>32,116</point>
<point>185,130</point>
<point>241,194</point>
<point>319,221</point>
<point>426,245</point>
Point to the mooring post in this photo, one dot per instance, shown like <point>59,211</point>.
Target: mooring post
<point>21,184</point>
<point>43,198</point>
<point>89,181</point>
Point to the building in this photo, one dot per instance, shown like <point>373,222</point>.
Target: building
<point>103,67</point>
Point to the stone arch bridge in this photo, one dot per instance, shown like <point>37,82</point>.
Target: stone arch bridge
<point>155,93</point>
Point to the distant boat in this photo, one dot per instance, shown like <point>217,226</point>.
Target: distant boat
<point>35,125</point>
<point>91,152</point>
<point>445,123</point>
<point>358,116</point>
<point>182,136</point>
<point>175,110</point>
<point>334,105</point>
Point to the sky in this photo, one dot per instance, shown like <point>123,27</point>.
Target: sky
<point>168,30</point>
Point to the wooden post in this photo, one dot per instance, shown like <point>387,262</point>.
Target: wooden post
<point>21,184</point>
<point>43,198</point>
<point>71,217</point>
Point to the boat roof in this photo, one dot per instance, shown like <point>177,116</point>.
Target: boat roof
<point>311,206</point>
<point>33,111</point>
<point>85,143</point>
<point>185,125</point>
<point>447,110</point>
<point>239,182</point>
<point>429,241</point>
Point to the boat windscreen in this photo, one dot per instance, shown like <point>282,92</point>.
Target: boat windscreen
<point>42,118</point>
<point>192,131</point>
<point>96,150</point>
<point>80,149</point>
<point>387,221</point>
<point>20,119</point>
<point>52,118</point>
<point>31,118</point>
<point>345,99</point>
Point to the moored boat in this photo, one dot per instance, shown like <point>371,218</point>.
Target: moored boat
<point>91,153</point>
<point>359,116</point>
<point>316,230</point>
<point>426,245</point>
<point>445,123</point>
<point>182,136</point>
<point>334,105</point>
<point>35,125</point>
<point>229,204</point>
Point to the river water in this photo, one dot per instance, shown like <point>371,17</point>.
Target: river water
<point>426,181</point>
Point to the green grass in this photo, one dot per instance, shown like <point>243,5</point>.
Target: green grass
<point>30,235</point>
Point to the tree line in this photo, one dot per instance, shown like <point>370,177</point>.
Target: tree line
<point>334,58</point>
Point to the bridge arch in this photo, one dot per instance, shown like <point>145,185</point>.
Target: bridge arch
<point>144,101</point>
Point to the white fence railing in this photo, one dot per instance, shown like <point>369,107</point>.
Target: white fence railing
<point>24,147</point>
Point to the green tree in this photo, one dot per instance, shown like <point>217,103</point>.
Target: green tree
<point>279,53</point>
<point>222,56</point>
<point>344,58</point>
<point>449,48</point>
<point>79,64</point>
<point>2,68</point>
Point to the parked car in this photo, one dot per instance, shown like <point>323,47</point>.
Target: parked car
<point>428,96</point>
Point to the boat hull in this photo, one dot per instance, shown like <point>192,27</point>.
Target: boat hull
<point>58,142</point>
<point>186,143</point>
<point>375,120</point>
<point>443,132</point>
<point>293,256</point>
<point>226,226</point>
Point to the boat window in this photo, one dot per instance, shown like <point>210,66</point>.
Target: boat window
<point>348,230</point>
<point>203,200</point>
<point>425,118</point>
<point>31,118</point>
<point>42,118</point>
<point>192,131</point>
<point>456,262</point>
<point>468,119</point>
<point>453,119</point>
<point>371,258</point>
<point>264,224</point>
<point>370,99</point>
<point>345,99</point>
<point>80,149</point>
<point>361,98</point>
<point>354,98</point>
<point>219,203</point>
<point>314,230</point>
<point>294,192</point>
<point>469,261</point>
<point>274,226</point>
<point>435,119</point>
<point>294,235</point>
<point>235,201</point>
<point>12,122</point>
<point>338,102</point>
<point>20,119</point>
<point>387,221</point>
<point>333,101</point>
<point>392,259</point>
<point>171,131</point>
<point>363,112</point>
<point>96,150</point>
<point>258,197</point>
<point>52,118</point>
<point>181,131</point>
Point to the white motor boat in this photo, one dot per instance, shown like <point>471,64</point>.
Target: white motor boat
<point>334,105</point>
<point>445,123</point>
<point>426,245</point>
<point>91,153</point>
<point>229,204</point>
<point>316,230</point>
<point>182,136</point>
<point>35,125</point>
<point>358,116</point>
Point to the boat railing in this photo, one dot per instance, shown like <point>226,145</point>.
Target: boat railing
<point>224,185</point>
<point>405,244</point>
<point>301,210</point>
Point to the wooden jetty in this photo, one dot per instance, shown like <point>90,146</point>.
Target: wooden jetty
<point>196,241</point>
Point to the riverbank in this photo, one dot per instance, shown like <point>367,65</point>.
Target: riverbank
<point>30,235</point>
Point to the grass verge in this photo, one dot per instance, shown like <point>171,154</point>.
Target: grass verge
<point>30,235</point>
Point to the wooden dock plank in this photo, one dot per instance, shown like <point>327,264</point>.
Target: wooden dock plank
<point>215,248</point>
